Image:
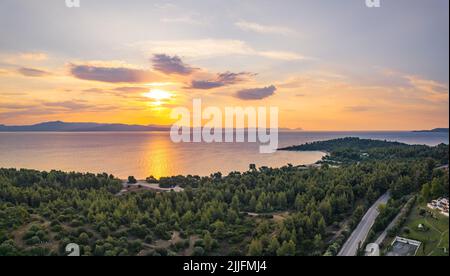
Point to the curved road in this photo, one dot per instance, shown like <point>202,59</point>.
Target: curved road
<point>361,232</point>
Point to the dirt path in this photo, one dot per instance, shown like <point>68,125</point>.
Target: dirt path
<point>142,185</point>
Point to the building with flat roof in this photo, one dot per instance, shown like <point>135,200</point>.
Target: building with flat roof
<point>402,247</point>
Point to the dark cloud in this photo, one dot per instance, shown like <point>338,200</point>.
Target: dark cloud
<point>256,93</point>
<point>15,106</point>
<point>25,112</point>
<point>205,85</point>
<point>117,90</point>
<point>171,65</point>
<point>66,105</point>
<point>132,89</point>
<point>95,90</point>
<point>112,75</point>
<point>69,105</point>
<point>49,108</point>
<point>31,72</point>
<point>126,92</point>
<point>223,79</point>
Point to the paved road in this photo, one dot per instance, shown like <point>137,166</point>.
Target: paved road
<point>359,236</point>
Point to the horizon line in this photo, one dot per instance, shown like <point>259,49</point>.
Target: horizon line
<point>281,129</point>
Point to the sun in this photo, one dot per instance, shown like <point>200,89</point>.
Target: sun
<point>158,95</point>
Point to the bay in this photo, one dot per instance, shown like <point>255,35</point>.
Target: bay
<point>142,154</point>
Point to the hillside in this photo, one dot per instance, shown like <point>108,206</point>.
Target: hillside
<point>350,150</point>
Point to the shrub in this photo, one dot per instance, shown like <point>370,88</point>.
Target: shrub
<point>151,180</point>
<point>132,180</point>
<point>199,251</point>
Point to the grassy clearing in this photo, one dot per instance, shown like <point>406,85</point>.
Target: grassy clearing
<point>435,236</point>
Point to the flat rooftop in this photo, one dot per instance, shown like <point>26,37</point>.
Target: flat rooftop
<point>403,248</point>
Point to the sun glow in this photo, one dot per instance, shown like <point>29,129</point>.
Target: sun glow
<point>158,97</point>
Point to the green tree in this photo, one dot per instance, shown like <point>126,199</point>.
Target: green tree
<point>282,200</point>
<point>437,188</point>
<point>326,210</point>
<point>83,239</point>
<point>8,248</point>
<point>132,180</point>
<point>208,240</point>
<point>199,251</point>
<point>321,226</point>
<point>318,242</point>
<point>259,207</point>
<point>255,248</point>
<point>426,192</point>
<point>273,247</point>
<point>252,203</point>
<point>287,249</point>
<point>235,203</point>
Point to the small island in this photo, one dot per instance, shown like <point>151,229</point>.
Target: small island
<point>435,130</point>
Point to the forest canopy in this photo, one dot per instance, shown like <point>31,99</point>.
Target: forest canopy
<point>262,212</point>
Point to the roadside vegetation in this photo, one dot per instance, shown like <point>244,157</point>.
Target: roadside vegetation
<point>420,223</point>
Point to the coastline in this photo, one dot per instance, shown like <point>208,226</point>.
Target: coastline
<point>150,153</point>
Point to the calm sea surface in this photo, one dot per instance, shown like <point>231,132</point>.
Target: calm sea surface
<point>153,153</point>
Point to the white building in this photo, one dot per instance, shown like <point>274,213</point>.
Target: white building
<point>441,205</point>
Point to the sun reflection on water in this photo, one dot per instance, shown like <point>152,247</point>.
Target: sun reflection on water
<point>159,158</point>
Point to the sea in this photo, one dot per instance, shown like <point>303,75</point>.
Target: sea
<point>142,154</point>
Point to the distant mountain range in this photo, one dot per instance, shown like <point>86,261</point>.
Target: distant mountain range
<point>96,127</point>
<point>81,127</point>
<point>59,126</point>
<point>434,130</point>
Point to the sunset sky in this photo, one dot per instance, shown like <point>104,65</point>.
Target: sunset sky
<point>327,64</point>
